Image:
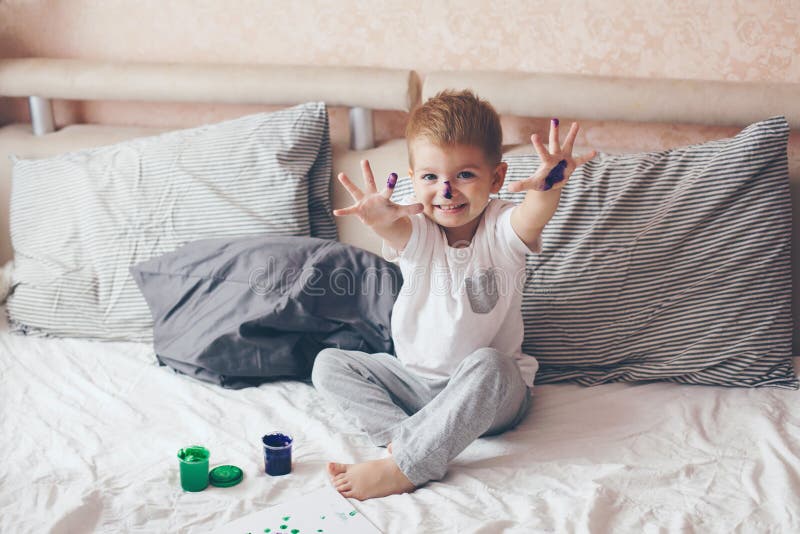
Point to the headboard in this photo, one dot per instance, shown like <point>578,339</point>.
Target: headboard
<point>570,97</point>
<point>41,80</point>
<point>710,103</point>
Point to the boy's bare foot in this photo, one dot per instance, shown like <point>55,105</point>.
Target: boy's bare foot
<point>376,478</point>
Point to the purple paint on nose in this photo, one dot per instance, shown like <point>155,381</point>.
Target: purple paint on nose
<point>555,121</point>
<point>391,181</point>
<point>555,175</point>
<point>448,193</point>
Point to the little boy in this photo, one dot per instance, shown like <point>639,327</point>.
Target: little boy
<point>457,322</point>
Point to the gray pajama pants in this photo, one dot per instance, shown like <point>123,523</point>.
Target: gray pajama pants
<point>428,421</point>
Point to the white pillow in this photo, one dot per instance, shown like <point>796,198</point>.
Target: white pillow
<point>81,219</point>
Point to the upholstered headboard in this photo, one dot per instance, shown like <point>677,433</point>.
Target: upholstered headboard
<point>362,90</point>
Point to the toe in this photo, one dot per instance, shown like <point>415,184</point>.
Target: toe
<point>335,468</point>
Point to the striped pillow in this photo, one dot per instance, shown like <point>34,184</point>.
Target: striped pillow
<point>668,265</point>
<point>81,219</point>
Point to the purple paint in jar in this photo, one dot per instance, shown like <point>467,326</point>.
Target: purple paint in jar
<point>277,453</point>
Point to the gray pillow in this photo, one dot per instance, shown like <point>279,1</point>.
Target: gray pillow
<point>237,312</point>
<point>670,265</point>
<point>81,219</point>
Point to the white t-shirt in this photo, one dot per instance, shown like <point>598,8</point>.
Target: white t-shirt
<point>456,300</point>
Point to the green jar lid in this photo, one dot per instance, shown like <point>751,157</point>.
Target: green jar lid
<point>225,476</point>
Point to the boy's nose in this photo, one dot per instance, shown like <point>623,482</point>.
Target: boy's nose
<point>448,193</point>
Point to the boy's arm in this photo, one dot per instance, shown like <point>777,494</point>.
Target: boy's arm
<point>396,234</point>
<point>529,218</point>
<point>376,209</point>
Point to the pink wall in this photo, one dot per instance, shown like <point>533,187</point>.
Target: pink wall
<point>737,40</point>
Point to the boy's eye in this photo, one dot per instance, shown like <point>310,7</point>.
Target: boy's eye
<point>463,175</point>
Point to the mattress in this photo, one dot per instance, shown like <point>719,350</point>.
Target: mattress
<point>90,432</point>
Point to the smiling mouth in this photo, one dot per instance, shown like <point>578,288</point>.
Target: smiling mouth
<point>449,207</point>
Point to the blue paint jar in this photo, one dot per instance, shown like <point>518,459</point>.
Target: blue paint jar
<point>277,453</point>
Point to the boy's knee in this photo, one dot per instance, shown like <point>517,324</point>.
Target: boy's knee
<point>324,366</point>
<point>498,373</point>
<point>492,362</point>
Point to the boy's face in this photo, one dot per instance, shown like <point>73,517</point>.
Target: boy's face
<point>471,179</point>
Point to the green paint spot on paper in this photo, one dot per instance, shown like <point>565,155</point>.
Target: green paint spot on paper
<point>353,513</point>
<point>283,527</point>
<point>322,517</point>
<point>295,531</point>
<point>286,518</point>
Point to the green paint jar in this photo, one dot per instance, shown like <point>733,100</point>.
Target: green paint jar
<point>194,467</point>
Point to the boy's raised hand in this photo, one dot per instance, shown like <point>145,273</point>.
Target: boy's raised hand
<point>375,209</point>
<point>557,163</point>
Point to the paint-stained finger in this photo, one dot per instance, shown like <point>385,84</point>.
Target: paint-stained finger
<point>554,146</point>
<point>391,181</point>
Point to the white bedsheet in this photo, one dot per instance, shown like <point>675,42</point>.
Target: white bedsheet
<point>90,431</point>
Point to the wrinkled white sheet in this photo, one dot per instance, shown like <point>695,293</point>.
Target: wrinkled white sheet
<point>90,431</point>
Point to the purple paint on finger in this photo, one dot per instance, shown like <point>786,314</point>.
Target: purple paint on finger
<point>448,193</point>
<point>391,181</point>
<point>555,121</point>
<point>555,175</point>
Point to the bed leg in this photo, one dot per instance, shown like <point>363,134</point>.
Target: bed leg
<point>361,133</point>
<point>41,115</point>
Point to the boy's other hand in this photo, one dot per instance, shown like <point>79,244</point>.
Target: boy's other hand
<point>557,160</point>
<point>375,209</point>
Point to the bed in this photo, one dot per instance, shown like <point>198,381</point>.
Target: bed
<point>90,428</point>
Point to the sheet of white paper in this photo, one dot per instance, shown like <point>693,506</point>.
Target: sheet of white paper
<point>323,511</point>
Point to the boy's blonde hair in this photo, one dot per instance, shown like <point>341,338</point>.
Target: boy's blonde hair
<point>457,117</point>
